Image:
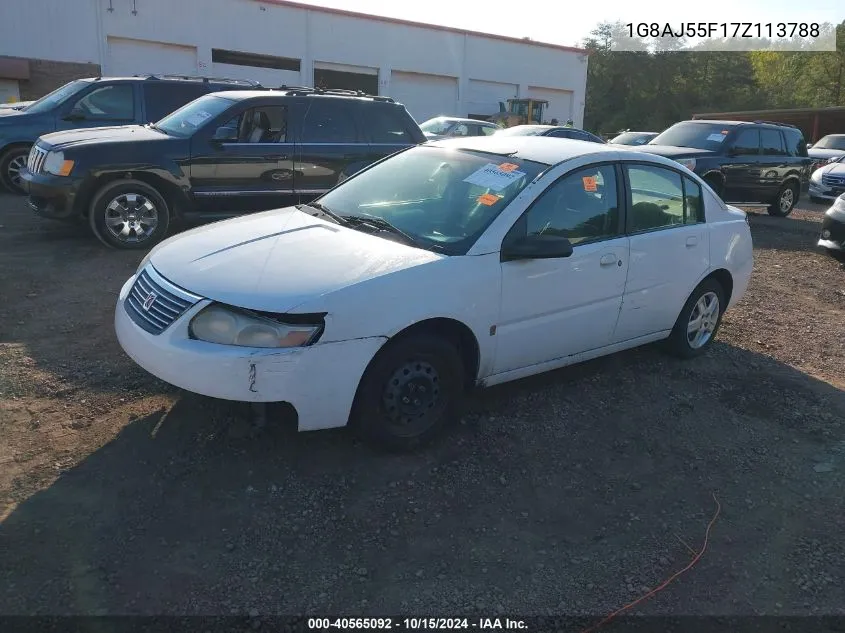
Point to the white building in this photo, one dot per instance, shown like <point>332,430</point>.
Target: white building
<point>431,69</point>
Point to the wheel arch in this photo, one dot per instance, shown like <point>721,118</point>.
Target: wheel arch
<point>453,330</point>
<point>172,193</point>
<point>725,279</point>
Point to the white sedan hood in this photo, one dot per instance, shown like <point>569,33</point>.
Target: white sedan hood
<point>276,260</point>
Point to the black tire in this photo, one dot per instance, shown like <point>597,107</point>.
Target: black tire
<point>432,369</point>
<point>786,200</point>
<point>679,342</point>
<point>129,205</point>
<point>716,185</point>
<point>10,163</point>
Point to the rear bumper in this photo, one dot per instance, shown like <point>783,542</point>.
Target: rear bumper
<point>49,196</point>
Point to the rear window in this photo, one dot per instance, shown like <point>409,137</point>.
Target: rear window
<point>795,143</point>
<point>388,125</point>
<point>831,141</point>
<point>160,99</point>
<point>694,134</point>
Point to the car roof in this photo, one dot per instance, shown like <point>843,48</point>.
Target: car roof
<point>540,149</point>
<point>635,132</point>
<point>238,95</point>
<point>458,119</point>
<point>725,123</point>
<point>832,135</point>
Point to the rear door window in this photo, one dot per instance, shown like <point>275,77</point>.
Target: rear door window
<point>160,99</point>
<point>747,142</point>
<point>772,142</point>
<point>329,121</point>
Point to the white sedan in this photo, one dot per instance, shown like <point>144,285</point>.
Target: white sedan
<point>453,264</point>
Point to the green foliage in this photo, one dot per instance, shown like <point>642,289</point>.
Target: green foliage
<point>651,88</point>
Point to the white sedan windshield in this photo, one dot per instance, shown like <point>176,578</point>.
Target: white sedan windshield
<point>443,198</point>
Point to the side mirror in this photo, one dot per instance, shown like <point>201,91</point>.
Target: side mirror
<point>225,134</point>
<point>537,247</point>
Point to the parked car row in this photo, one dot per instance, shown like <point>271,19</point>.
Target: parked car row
<point>221,155</point>
<point>96,102</point>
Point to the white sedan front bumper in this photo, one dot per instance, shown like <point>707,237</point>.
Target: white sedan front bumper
<point>320,381</point>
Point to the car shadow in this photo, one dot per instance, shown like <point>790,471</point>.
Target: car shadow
<point>600,472</point>
<point>792,234</point>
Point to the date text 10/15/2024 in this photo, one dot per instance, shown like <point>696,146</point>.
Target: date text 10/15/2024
<point>724,29</point>
<point>411,624</point>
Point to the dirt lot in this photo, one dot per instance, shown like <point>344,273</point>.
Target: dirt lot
<point>567,493</point>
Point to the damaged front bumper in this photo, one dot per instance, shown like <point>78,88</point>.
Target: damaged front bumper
<point>319,381</point>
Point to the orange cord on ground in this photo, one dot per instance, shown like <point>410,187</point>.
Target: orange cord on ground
<point>669,580</point>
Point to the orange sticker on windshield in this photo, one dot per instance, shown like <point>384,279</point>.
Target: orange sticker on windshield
<point>508,167</point>
<point>590,183</point>
<point>488,198</point>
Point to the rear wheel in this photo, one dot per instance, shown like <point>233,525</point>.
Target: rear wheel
<point>411,390</point>
<point>11,163</point>
<point>716,185</point>
<point>785,202</point>
<point>129,215</point>
<point>698,321</point>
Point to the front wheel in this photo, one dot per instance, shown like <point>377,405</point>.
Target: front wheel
<point>11,164</point>
<point>698,321</point>
<point>785,202</point>
<point>129,215</point>
<point>411,390</point>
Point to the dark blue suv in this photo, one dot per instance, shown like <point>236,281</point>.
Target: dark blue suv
<point>97,102</point>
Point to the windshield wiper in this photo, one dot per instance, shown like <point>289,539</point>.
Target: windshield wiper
<point>382,224</point>
<point>325,211</point>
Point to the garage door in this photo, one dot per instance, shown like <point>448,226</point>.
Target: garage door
<point>483,97</point>
<point>425,96</point>
<point>137,57</point>
<point>560,103</point>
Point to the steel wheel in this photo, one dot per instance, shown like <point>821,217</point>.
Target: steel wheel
<point>131,217</point>
<point>411,397</point>
<point>703,320</point>
<point>13,170</point>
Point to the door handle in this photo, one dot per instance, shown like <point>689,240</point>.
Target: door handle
<point>692,241</point>
<point>607,259</point>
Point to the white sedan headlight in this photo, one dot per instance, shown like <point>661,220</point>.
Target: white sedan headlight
<point>817,175</point>
<point>56,164</point>
<point>229,326</point>
<point>689,163</point>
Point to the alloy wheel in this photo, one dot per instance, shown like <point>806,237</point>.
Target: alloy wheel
<point>787,199</point>
<point>13,170</point>
<point>131,217</point>
<point>703,320</point>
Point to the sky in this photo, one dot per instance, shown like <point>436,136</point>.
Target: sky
<point>568,23</point>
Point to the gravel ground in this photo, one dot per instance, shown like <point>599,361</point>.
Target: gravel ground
<point>568,493</point>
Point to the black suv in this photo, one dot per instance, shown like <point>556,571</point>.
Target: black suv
<point>746,163</point>
<point>95,102</point>
<point>221,155</point>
